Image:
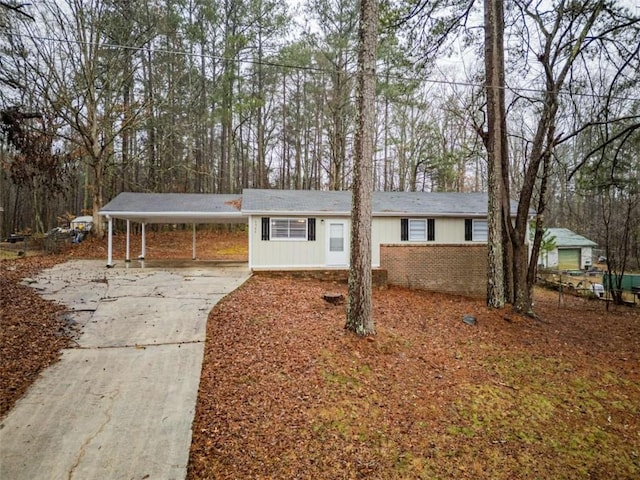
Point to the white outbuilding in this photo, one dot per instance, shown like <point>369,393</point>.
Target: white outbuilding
<point>572,251</point>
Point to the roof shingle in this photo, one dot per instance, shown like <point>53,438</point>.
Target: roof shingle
<point>256,201</point>
<point>568,238</point>
<point>204,208</point>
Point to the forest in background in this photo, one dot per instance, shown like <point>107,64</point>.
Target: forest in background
<point>213,96</point>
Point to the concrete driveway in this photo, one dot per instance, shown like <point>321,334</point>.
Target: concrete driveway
<point>120,404</point>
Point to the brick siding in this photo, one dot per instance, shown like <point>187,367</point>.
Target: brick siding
<point>458,268</point>
<point>378,276</point>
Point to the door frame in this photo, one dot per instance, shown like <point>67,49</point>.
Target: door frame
<point>334,259</point>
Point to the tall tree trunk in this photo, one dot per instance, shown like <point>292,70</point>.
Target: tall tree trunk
<point>359,310</point>
<point>297,181</point>
<point>319,141</point>
<point>261,169</point>
<point>543,144</point>
<point>286,166</point>
<point>388,184</point>
<point>496,147</point>
<point>151,126</point>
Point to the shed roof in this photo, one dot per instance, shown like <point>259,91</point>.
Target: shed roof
<point>567,238</point>
<point>308,202</point>
<point>175,208</point>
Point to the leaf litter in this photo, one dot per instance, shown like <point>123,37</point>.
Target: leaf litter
<point>286,392</point>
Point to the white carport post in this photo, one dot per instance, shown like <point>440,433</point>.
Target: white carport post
<point>144,243</point>
<point>193,254</point>
<point>127,254</point>
<point>110,243</point>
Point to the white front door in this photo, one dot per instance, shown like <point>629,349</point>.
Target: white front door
<point>337,243</point>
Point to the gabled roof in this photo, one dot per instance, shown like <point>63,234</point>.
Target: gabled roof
<point>217,208</point>
<point>175,208</point>
<point>313,202</point>
<point>567,238</point>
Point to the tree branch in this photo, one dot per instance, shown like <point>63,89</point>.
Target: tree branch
<point>623,133</point>
<point>17,8</point>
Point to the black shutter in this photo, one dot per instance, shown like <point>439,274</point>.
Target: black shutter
<point>468,229</point>
<point>311,229</point>
<point>265,228</point>
<point>404,229</point>
<point>431,229</point>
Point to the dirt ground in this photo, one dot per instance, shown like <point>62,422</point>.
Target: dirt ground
<point>286,392</point>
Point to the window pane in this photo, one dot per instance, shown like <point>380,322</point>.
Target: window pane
<point>417,230</point>
<point>336,237</point>
<point>298,228</point>
<point>480,231</point>
<point>279,228</point>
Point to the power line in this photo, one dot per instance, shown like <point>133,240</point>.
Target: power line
<point>310,68</point>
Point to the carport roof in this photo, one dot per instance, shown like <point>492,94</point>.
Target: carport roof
<point>175,208</point>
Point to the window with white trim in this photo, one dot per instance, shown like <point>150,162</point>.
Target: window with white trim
<point>288,229</point>
<point>417,230</point>
<point>480,231</point>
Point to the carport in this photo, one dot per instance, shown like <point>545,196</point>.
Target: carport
<point>170,208</point>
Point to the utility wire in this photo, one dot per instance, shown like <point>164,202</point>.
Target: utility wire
<point>309,68</point>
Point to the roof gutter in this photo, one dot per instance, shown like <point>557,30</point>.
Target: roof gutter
<point>175,217</point>
<point>325,213</point>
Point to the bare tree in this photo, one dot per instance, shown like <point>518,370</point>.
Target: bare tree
<point>74,75</point>
<point>16,7</point>
<point>32,163</point>
<point>620,213</point>
<point>565,38</point>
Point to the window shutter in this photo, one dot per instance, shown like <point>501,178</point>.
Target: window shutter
<point>431,229</point>
<point>468,229</point>
<point>311,229</point>
<point>265,228</point>
<point>404,229</point>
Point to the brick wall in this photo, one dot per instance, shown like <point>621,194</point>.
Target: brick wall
<point>378,275</point>
<point>460,268</point>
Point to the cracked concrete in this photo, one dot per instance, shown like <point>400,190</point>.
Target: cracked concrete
<point>119,405</point>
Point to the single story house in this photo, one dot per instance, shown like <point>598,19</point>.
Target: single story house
<point>435,241</point>
<point>571,252</point>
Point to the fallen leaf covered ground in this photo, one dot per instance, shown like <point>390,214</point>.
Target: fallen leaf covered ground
<point>32,331</point>
<point>174,244</point>
<point>286,392</point>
